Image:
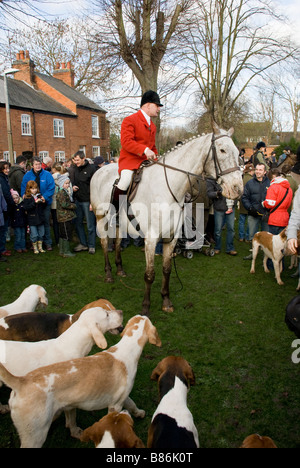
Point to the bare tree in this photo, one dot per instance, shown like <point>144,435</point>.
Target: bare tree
<point>288,91</point>
<point>228,46</point>
<point>139,34</point>
<point>20,10</point>
<point>63,41</point>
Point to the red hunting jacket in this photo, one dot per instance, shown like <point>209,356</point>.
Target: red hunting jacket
<point>275,194</point>
<point>136,136</point>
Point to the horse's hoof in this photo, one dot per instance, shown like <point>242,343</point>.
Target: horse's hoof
<point>167,309</point>
<point>109,280</point>
<point>122,273</point>
<point>145,312</point>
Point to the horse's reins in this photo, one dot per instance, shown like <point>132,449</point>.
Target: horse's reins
<point>189,174</point>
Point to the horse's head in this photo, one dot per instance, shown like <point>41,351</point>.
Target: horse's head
<point>222,163</point>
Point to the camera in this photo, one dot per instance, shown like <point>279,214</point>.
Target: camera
<point>39,195</point>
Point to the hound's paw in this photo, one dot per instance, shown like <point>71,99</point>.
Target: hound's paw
<point>139,413</point>
<point>76,432</point>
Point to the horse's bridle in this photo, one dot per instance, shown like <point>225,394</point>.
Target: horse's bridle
<point>219,172</point>
<point>213,149</point>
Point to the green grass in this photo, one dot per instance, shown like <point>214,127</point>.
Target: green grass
<point>227,323</point>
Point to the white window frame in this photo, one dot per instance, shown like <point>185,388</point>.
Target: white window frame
<point>96,151</point>
<point>26,125</point>
<point>6,156</point>
<point>95,126</point>
<point>60,156</point>
<point>43,155</point>
<point>58,128</point>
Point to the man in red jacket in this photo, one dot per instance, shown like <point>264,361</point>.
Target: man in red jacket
<point>279,190</point>
<point>138,142</point>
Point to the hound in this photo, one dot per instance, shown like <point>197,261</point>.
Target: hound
<point>27,301</point>
<point>115,430</point>
<point>38,326</point>
<point>103,380</point>
<point>257,441</point>
<point>172,424</point>
<point>273,247</point>
<point>22,357</point>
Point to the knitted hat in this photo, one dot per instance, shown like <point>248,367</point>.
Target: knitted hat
<point>14,193</point>
<point>62,179</point>
<point>152,97</point>
<point>98,160</point>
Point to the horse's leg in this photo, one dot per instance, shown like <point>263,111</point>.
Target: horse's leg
<point>107,267</point>
<point>168,249</point>
<point>102,233</point>
<point>149,273</point>
<point>118,259</point>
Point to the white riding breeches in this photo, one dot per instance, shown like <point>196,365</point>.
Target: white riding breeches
<point>125,179</point>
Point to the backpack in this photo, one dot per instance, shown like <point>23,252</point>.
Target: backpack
<point>292,316</point>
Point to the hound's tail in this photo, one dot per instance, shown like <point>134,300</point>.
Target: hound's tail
<point>10,380</point>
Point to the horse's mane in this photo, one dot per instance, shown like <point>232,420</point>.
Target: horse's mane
<point>180,145</point>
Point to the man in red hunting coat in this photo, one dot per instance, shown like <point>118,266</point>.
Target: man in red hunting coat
<point>138,142</point>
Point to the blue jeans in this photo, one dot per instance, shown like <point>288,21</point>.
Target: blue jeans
<point>242,224</point>
<point>20,238</point>
<point>254,225</point>
<point>83,211</point>
<point>37,233</point>
<point>47,236</point>
<point>221,219</point>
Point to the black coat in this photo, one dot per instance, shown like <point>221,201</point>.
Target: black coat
<point>82,178</point>
<point>214,194</point>
<point>18,216</point>
<point>6,193</point>
<point>35,211</point>
<point>254,194</point>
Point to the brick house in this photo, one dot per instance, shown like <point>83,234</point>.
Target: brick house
<point>49,117</point>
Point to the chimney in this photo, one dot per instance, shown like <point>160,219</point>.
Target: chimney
<point>25,66</point>
<point>64,73</point>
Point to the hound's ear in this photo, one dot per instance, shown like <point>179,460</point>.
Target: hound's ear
<point>156,373</point>
<point>190,376</point>
<point>153,337</point>
<point>99,337</point>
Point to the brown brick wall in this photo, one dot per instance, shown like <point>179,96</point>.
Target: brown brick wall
<point>77,129</point>
<point>78,132</point>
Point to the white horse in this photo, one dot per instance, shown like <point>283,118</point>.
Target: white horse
<point>159,200</point>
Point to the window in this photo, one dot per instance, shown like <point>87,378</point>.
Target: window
<point>58,127</point>
<point>96,151</point>
<point>95,126</point>
<point>6,156</point>
<point>26,125</point>
<point>43,155</point>
<point>59,156</point>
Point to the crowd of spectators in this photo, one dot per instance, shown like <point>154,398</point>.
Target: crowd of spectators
<point>43,201</point>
